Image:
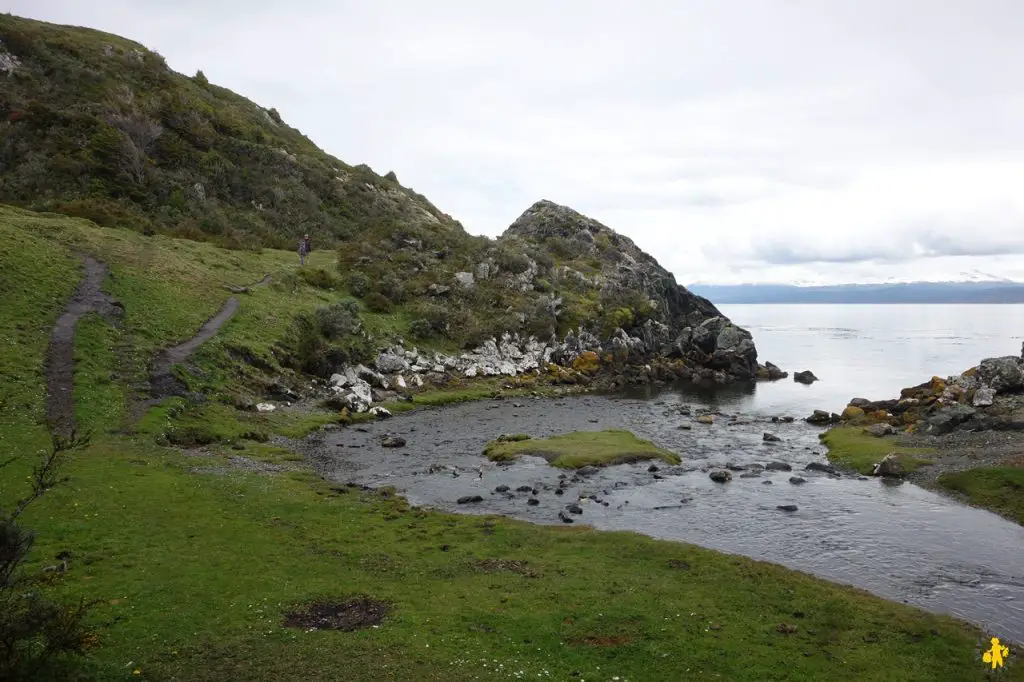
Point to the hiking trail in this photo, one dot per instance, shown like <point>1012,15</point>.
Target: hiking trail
<point>60,355</point>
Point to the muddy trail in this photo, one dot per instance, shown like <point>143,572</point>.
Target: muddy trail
<point>162,382</point>
<point>60,355</point>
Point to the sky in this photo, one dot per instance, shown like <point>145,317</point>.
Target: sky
<point>734,140</point>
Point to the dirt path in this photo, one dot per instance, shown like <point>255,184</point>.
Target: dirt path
<point>60,356</point>
<point>161,381</point>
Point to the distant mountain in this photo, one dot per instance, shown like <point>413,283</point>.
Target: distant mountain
<point>986,291</point>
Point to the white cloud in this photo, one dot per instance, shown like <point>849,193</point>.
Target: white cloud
<point>759,140</point>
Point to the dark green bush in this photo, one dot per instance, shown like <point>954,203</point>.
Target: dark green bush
<point>319,278</point>
<point>378,302</point>
<point>338,319</point>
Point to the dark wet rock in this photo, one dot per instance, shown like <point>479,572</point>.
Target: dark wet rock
<point>778,466</point>
<point>587,471</point>
<point>751,474</point>
<point>947,419</point>
<point>653,468</point>
<point>770,438</point>
<point>392,442</point>
<point>797,480</point>
<point>787,507</point>
<point>860,402</point>
<point>686,426</point>
<point>720,476</point>
<point>805,377</point>
<point>574,509</point>
<point>879,430</point>
<point>533,502</point>
<point>735,467</point>
<point>524,489</point>
<point>755,467</point>
<point>819,417</point>
<point>890,466</point>
<point>470,499</point>
<point>501,489</point>
<point>766,483</point>
<point>559,491</point>
<point>564,517</point>
<point>819,466</point>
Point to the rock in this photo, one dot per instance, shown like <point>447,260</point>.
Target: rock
<point>720,476</point>
<point>564,517</point>
<point>438,290</point>
<point>391,363</point>
<point>574,509</point>
<point>392,442</point>
<point>359,396</point>
<point>889,466</point>
<point>778,466</point>
<point>501,489</point>
<point>797,480</point>
<point>984,397</point>
<point>686,426</point>
<point>400,382</point>
<point>1003,375</point>
<point>819,417</point>
<point>380,412</point>
<point>805,377</point>
<point>524,489</point>
<point>417,381</point>
<point>770,438</point>
<point>879,430</point>
<point>465,279</point>
<point>786,507</point>
<point>265,407</point>
<point>819,466</point>
<point>860,402</point>
<point>483,270</point>
<point>852,412</point>
<point>766,483</point>
<point>587,470</point>
<point>946,419</point>
<point>533,502</point>
<point>751,474</point>
<point>652,469</point>
<point>470,499</point>
<point>339,380</point>
<point>705,419</point>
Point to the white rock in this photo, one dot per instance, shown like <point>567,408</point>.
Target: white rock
<point>400,381</point>
<point>417,380</point>
<point>984,397</point>
<point>339,380</point>
<point>266,407</point>
<point>380,412</point>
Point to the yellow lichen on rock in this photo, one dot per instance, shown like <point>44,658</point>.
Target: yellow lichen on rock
<point>852,412</point>
<point>587,362</point>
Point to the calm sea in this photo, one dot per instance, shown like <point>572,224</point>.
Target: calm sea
<point>869,351</point>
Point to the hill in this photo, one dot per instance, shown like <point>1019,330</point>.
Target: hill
<point>909,292</point>
<point>99,127</point>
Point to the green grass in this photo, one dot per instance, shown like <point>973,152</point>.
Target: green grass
<point>580,449</point>
<point>1000,489</point>
<point>850,447</point>
<point>194,563</point>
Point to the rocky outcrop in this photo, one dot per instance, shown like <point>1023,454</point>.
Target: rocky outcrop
<point>677,323</point>
<point>988,396</point>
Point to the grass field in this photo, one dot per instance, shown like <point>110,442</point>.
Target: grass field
<point>1000,489</point>
<point>580,449</point>
<point>850,447</point>
<point>195,562</point>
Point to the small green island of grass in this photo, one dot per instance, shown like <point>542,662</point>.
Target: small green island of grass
<point>579,449</point>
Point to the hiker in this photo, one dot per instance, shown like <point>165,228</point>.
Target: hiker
<point>305,246</point>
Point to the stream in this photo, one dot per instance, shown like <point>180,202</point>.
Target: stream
<point>896,540</point>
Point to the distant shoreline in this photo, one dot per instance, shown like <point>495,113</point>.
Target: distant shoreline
<point>947,293</point>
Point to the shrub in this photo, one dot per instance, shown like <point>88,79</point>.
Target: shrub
<point>36,634</point>
<point>510,261</point>
<point>358,283</point>
<point>378,302</point>
<point>421,329</point>
<point>338,319</point>
<point>319,278</point>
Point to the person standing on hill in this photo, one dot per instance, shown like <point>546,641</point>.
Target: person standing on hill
<point>305,246</point>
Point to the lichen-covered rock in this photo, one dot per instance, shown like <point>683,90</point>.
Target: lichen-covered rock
<point>1003,375</point>
<point>391,363</point>
<point>852,412</point>
<point>889,466</point>
<point>984,397</point>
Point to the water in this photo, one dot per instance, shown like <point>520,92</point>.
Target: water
<point>898,541</point>
<point>871,351</point>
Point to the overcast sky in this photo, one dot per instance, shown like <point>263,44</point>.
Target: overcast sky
<point>735,140</point>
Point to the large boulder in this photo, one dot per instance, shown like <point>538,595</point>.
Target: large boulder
<point>391,363</point>
<point>890,466</point>
<point>1003,375</point>
<point>946,419</point>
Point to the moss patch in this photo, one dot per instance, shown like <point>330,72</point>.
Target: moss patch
<point>850,447</point>
<point>581,448</point>
<point>999,489</point>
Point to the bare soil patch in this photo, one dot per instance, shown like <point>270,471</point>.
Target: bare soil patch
<point>347,616</point>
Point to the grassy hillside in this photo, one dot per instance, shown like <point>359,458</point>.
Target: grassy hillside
<point>98,126</point>
<point>195,557</point>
